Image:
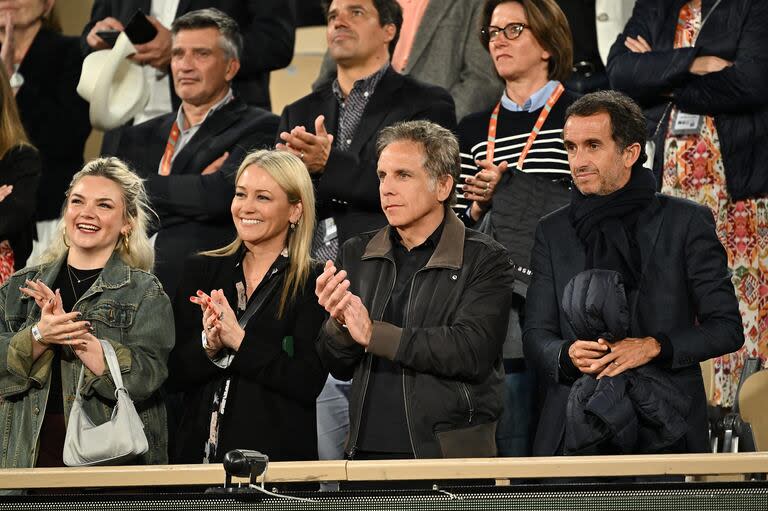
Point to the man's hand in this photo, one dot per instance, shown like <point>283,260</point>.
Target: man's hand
<point>359,322</point>
<point>587,355</point>
<point>5,191</point>
<point>710,64</point>
<point>216,164</point>
<point>331,287</point>
<point>157,52</point>
<point>313,150</point>
<point>480,188</point>
<point>105,25</point>
<point>637,45</point>
<point>628,353</point>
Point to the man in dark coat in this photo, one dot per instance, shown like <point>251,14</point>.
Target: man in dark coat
<point>189,157</point>
<point>683,309</point>
<point>346,116</point>
<point>266,26</point>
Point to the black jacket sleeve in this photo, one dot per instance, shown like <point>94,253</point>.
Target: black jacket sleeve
<point>21,169</point>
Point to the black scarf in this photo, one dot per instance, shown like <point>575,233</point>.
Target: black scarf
<point>606,224</point>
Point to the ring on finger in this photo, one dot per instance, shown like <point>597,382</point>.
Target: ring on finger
<point>69,337</point>
<point>301,155</point>
<point>221,315</point>
<point>616,363</point>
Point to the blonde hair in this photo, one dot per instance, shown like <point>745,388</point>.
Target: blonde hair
<point>293,178</point>
<point>12,131</point>
<point>135,249</point>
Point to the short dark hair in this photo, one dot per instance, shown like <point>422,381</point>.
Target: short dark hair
<point>389,12</point>
<point>231,41</point>
<point>548,25</point>
<point>628,124</point>
<point>440,147</point>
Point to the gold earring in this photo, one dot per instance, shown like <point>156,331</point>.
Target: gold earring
<point>293,225</point>
<point>64,238</point>
<point>126,246</point>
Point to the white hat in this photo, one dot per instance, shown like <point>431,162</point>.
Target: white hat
<point>113,85</point>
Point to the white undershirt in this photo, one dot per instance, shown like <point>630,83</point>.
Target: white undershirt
<point>158,81</point>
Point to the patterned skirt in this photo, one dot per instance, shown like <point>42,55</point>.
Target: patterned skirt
<point>693,169</point>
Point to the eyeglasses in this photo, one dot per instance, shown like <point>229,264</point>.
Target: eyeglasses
<point>511,31</point>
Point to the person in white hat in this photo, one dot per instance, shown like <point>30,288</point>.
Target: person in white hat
<point>189,157</point>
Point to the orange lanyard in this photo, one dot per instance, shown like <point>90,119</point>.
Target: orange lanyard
<point>170,147</point>
<point>494,122</point>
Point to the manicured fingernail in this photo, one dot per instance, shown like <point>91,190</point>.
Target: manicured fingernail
<point>199,293</point>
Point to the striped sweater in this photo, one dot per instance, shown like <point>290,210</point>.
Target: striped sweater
<point>546,157</point>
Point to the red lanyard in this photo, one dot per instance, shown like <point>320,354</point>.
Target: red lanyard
<point>493,123</point>
<point>170,147</point>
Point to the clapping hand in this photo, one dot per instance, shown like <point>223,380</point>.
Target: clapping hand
<point>332,290</point>
<point>219,321</point>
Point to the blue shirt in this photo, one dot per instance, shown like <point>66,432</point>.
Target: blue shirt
<point>537,100</point>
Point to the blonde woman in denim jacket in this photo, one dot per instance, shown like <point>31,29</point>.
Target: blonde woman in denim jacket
<point>94,283</point>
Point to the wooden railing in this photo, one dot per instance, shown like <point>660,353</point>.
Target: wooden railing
<point>443,469</point>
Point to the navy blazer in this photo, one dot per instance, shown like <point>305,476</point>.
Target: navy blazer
<point>266,25</point>
<point>348,188</point>
<point>735,31</point>
<point>685,293</point>
<point>194,209</point>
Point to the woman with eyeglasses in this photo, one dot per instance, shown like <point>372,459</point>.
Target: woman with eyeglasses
<point>246,323</point>
<point>699,68</point>
<point>514,165</point>
<point>93,284</point>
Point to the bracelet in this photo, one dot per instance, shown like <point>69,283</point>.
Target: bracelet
<point>205,340</point>
<point>37,336</point>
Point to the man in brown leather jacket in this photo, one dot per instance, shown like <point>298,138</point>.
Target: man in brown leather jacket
<point>418,312</point>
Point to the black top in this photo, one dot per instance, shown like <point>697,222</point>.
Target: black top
<point>72,284</point>
<point>271,402</point>
<point>581,18</point>
<point>54,116</point>
<point>384,426</point>
<point>20,167</point>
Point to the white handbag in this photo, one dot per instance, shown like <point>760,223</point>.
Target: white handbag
<point>114,442</point>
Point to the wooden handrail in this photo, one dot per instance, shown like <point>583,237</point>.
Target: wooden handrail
<point>441,469</point>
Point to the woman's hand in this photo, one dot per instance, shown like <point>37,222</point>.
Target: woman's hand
<point>5,191</point>
<point>637,45</point>
<point>59,327</point>
<point>90,353</point>
<point>40,292</point>
<point>229,330</point>
<point>709,64</point>
<point>479,189</point>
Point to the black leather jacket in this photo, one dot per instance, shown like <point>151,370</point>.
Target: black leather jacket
<point>449,348</point>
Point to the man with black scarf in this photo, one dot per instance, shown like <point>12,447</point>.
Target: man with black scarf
<point>683,309</point>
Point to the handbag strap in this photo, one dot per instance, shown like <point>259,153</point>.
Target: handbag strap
<point>112,365</point>
<point>259,300</point>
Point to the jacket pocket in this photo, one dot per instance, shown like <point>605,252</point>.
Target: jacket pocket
<point>477,441</point>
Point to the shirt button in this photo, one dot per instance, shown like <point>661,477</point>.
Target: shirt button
<point>36,411</point>
<point>365,94</point>
<point>603,16</point>
<point>349,141</point>
<point>454,277</point>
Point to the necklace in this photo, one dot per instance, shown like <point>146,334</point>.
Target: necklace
<point>73,277</point>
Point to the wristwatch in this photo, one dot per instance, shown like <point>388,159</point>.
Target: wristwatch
<point>37,336</point>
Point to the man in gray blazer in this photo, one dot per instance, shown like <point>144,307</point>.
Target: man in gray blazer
<point>447,52</point>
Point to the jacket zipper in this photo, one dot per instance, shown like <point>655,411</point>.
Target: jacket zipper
<point>405,394</point>
<point>369,363</point>
<point>471,405</point>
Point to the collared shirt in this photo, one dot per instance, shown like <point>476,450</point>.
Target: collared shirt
<point>185,135</point>
<point>352,107</point>
<point>537,100</point>
<point>384,427</point>
<point>413,12</point>
<point>159,102</point>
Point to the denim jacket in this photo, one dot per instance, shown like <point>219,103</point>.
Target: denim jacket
<point>126,307</point>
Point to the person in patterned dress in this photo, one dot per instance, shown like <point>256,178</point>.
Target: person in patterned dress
<point>698,67</point>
